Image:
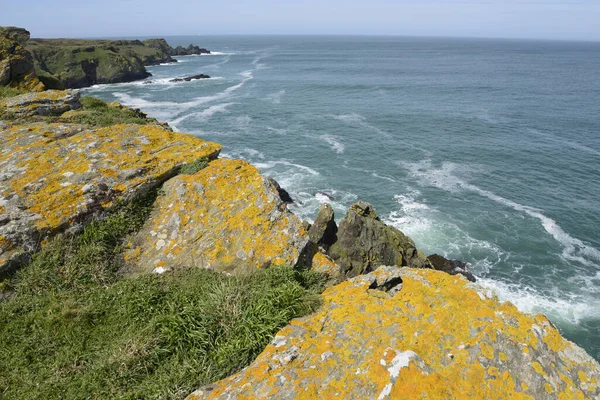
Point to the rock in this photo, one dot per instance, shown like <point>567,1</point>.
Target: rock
<point>226,217</point>
<point>19,35</point>
<point>364,243</point>
<point>283,194</point>
<point>49,103</point>
<point>324,230</point>
<point>190,78</point>
<point>402,333</point>
<point>44,169</point>
<point>16,63</point>
<point>451,267</point>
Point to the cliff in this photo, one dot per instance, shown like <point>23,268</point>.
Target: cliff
<point>77,63</point>
<point>135,263</point>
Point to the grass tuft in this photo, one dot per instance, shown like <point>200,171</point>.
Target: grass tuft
<point>193,167</point>
<point>6,91</point>
<point>96,112</point>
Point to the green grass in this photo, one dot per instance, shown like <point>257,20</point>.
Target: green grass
<point>75,329</point>
<point>193,167</point>
<point>96,112</point>
<point>6,91</point>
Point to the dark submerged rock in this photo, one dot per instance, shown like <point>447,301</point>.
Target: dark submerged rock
<point>451,267</point>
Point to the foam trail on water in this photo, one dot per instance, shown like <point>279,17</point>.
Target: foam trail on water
<point>446,178</point>
<point>334,142</point>
<point>202,115</point>
<point>271,164</point>
<point>275,98</point>
<point>572,309</point>
<point>567,142</point>
<point>355,119</point>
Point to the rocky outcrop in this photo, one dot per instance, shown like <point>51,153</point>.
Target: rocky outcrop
<point>55,177</point>
<point>16,63</point>
<point>401,333</point>
<point>81,63</point>
<point>190,78</point>
<point>323,231</point>
<point>50,103</point>
<point>226,217</point>
<point>364,243</point>
<point>163,46</point>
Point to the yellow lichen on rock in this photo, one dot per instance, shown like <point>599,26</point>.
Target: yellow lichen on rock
<point>226,217</point>
<point>401,333</point>
<point>57,174</point>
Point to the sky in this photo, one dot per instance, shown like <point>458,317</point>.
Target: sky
<point>536,19</point>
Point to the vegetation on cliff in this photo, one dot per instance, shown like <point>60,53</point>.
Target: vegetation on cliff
<point>76,63</point>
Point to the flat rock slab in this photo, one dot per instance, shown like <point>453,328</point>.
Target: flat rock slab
<point>403,333</point>
<point>226,217</point>
<point>55,176</point>
<point>48,103</point>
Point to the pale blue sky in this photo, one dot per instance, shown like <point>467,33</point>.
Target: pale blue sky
<point>550,19</point>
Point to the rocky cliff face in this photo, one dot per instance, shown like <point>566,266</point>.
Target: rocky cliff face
<point>56,176</point>
<point>16,63</point>
<point>401,333</point>
<point>76,63</point>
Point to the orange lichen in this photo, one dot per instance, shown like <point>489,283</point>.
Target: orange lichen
<point>51,163</point>
<point>430,340</point>
<point>225,217</point>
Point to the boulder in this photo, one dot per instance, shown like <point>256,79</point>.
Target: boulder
<point>227,217</point>
<point>55,177</point>
<point>451,267</point>
<point>49,103</point>
<point>402,333</point>
<point>364,243</point>
<point>323,231</point>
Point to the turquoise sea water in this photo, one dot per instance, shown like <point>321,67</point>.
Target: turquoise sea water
<point>486,151</point>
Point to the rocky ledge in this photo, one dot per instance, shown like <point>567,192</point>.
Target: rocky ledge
<point>401,333</point>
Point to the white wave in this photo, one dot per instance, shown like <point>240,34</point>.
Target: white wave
<point>566,142</point>
<point>183,106</point>
<point>275,98</point>
<point>272,164</point>
<point>561,309</point>
<point>358,120</point>
<point>202,115</point>
<point>448,178</point>
<point>219,53</point>
<point>334,142</point>
<point>387,178</point>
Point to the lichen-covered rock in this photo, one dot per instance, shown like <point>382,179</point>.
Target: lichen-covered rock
<point>54,177</point>
<point>364,243</point>
<point>16,63</point>
<point>402,333</point>
<point>226,217</point>
<point>49,103</point>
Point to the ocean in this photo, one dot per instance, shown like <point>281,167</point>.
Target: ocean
<point>486,151</point>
